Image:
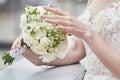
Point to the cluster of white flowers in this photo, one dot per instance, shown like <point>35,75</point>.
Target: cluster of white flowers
<point>41,36</point>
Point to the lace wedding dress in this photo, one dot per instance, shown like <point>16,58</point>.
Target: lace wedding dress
<point>107,24</point>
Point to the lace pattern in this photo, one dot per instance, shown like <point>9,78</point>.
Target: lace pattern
<point>107,23</point>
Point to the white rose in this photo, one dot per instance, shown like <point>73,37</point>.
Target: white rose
<point>27,39</point>
<point>60,50</point>
<point>42,11</point>
<point>37,17</point>
<point>44,41</point>
<point>35,43</point>
<point>39,49</point>
<point>39,34</point>
<point>23,20</point>
<point>37,28</point>
<point>33,16</point>
<point>48,26</point>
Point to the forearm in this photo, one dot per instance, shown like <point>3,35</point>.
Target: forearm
<point>107,55</point>
<point>32,57</point>
<point>75,51</point>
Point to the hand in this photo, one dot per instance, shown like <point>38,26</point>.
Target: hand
<point>28,53</point>
<point>66,22</point>
<point>16,44</point>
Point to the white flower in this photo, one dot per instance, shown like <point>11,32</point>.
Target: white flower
<point>29,27</point>
<point>39,49</point>
<point>40,36</point>
<point>42,11</point>
<point>60,50</point>
<point>48,26</point>
<point>35,43</point>
<point>33,16</point>
<point>27,39</point>
<point>44,41</point>
<point>23,20</point>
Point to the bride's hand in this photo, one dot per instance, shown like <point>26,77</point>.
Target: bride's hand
<point>67,23</point>
<point>16,44</point>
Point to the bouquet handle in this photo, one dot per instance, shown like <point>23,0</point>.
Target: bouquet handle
<point>16,54</point>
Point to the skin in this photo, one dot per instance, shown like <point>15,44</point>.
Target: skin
<point>81,31</point>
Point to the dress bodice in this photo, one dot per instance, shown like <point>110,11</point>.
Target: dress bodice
<point>107,24</point>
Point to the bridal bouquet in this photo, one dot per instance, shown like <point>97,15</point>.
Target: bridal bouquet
<point>41,37</point>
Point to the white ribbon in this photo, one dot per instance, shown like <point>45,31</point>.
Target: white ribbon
<point>16,54</point>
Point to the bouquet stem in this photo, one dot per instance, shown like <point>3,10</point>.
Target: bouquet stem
<point>7,58</point>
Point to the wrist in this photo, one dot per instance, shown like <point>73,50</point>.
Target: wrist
<point>90,36</point>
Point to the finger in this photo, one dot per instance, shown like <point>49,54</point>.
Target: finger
<point>55,10</point>
<point>19,44</point>
<point>13,46</point>
<point>56,17</point>
<point>59,22</point>
<point>71,30</point>
<point>75,31</point>
<point>66,29</point>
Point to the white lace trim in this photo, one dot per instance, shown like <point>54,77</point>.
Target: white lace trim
<point>107,23</point>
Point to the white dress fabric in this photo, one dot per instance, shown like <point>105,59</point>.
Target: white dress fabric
<point>107,24</point>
